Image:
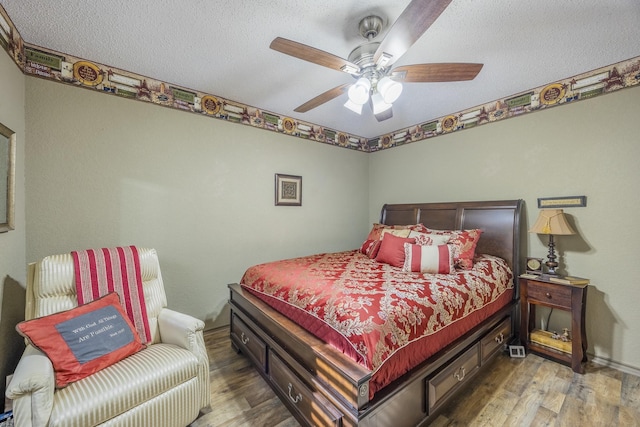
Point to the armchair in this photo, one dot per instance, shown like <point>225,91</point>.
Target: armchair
<point>165,384</point>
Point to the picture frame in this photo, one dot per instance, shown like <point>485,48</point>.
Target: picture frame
<point>562,202</point>
<point>7,178</point>
<point>288,190</point>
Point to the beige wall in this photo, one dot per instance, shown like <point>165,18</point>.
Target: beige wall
<point>588,148</point>
<point>12,243</point>
<point>105,171</point>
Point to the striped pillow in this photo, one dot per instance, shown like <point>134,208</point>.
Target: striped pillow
<point>428,259</point>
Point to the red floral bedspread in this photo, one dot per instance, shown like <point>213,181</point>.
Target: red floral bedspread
<point>371,311</point>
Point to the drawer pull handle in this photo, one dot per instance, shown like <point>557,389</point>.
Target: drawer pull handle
<point>500,338</point>
<point>298,397</point>
<point>548,295</point>
<point>459,375</point>
<point>244,339</point>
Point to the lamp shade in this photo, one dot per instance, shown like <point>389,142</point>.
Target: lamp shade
<point>552,221</point>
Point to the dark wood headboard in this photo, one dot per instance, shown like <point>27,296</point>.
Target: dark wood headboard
<point>499,221</point>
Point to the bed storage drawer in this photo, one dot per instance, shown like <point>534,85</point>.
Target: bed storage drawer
<point>495,339</point>
<point>444,383</point>
<point>313,407</point>
<point>248,342</point>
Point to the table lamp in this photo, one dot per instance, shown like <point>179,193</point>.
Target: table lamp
<point>554,223</point>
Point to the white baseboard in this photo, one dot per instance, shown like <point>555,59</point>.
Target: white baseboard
<point>615,365</point>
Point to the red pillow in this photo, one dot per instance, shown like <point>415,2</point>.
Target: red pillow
<point>434,259</point>
<point>464,245</point>
<point>371,244</point>
<point>377,229</point>
<point>426,239</point>
<point>370,248</point>
<point>392,250</point>
<point>81,341</point>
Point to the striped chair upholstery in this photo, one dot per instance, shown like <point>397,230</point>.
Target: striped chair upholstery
<point>166,384</point>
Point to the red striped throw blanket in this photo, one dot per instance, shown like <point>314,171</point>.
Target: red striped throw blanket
<point>101,271</point>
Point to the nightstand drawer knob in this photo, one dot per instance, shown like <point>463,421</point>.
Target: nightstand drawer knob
<point>548,295</point>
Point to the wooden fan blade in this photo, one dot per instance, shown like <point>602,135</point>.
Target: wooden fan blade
<point>443,72</point>
<point>322,98</point>
<point>311,54</point>
<point>418,16</point>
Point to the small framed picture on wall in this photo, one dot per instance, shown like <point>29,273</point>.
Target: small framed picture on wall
<point>288,190</point>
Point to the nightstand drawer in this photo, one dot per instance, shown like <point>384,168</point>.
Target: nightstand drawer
<point>248,342</point>
<point>547,293</point>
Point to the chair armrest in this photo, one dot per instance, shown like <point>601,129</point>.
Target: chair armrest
<point>186,331</point>
<point>31,389</point>
<point>179,329</point>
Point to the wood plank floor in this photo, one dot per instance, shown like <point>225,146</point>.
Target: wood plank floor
<point>513,392</point>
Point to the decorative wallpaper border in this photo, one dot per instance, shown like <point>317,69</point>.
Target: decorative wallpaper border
<point>583,86</point>
<point>68,69</point>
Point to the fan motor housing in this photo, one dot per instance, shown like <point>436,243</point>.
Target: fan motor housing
<point>370,26</point>
<point>363,54</point>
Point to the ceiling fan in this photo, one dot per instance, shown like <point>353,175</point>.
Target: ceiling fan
<point>371,63</point>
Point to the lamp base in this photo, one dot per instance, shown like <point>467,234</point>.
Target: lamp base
<point>551,269</point>
<point>551,264</point>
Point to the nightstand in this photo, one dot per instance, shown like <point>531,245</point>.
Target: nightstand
<point>572,298</point>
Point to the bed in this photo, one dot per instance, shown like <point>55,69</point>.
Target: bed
<point>333,381</point>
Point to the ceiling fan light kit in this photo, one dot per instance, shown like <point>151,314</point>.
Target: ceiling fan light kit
<point>379,104</point>
<point>356,108</point>
<point>359,91</point>
<point>382,95</point>
<point>371,62</point>
<point>389,89</point>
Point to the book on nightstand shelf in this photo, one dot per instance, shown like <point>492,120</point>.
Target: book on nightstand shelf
<point>550,339</point>
<point>569,280</point>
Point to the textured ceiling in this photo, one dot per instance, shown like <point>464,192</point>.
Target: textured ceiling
<point>222,47</point>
